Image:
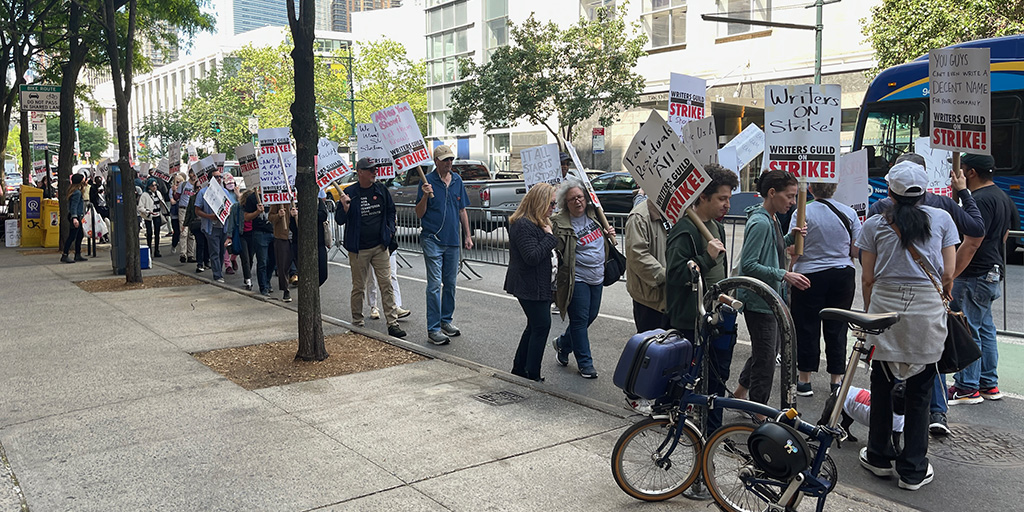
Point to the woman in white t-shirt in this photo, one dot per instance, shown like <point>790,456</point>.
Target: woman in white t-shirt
<point>893,281</point>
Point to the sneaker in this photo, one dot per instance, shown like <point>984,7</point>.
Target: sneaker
<point>157,255</point>
<point>402,313</point>
<point>928,476</point>
<point>66,259</point>
<point>182,258</point>
<point>265,294</point>
<point>937,424</point>
<point>804,389</point>
<point>437,338</point>
<point>450,329</point>
<point>641,405</point>
<point>959,396</point>
<point>562,361</point>
<point>374,313</point>
<point>833,388</point>
<point>294,281</point>
<point>878,471</point>
<point>190,260</point>
<point>219,279</point>
<point>589,373</point>
<point>991,393</point>
<point>396,331</point>
<point>79,257</point>
<point>200,269</point>
<point>287,296</point>
<point>248,285</point>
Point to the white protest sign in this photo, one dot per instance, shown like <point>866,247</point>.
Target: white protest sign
<point>144,169</point>
<point>247,165</point>
<point>218,160</point>
<point>38,170</point>
<point>193,155</point>
<point>702,140</point>
<point>748,144</point>
<point>802,124</point>
<point>937,165</point>
<point>325,148</point>
<point>102,167</point>
<point>401,136</point>
<point>204,169</point>
<point>161,170</point>
<point>541,165</point>
<point>727,159</point>
<point>853,189</point>
<point>961,100</point>
<point>685,100</point>
<point>370,146</point>
<point>274,159</point>
<point>219,201</point>
<point>174,158</point>
<point>664,168</point>
<point>582,175</point>
<point>329,169</point>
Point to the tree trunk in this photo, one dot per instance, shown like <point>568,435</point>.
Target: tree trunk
<point>68,84</point>
<point>304,129</point>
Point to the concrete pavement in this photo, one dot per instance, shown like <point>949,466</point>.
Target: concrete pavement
<point>102,407</point>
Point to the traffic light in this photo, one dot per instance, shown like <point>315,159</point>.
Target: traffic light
<point>76,125</point>
<point>215,126</point>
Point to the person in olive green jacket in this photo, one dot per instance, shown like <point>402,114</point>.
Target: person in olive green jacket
<point>763,257</point>
<point>646,235</point>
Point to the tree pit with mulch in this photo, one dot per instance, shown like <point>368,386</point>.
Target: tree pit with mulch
<point>274,364</point>
<point>118,284</point>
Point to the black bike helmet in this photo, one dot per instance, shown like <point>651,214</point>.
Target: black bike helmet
<point>779,450</point>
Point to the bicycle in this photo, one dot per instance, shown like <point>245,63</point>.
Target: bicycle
<point>661,456</point>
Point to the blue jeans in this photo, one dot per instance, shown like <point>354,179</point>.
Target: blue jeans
<point>262,241</point>
<point>442,263</point>
<point>974,296</point>
<point>582,311</point>
<point>215,246</point>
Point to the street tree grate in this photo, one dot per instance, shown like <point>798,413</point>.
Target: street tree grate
<point>979,446</point>
<point>500,398</point>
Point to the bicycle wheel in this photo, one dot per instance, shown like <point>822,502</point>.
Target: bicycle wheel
<point>635,457</point>
<point>726,463</point>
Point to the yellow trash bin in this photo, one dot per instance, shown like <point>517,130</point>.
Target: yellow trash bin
<point>31,216</point>
<point>51,222</point>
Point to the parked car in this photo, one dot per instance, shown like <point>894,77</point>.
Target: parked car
<point>616,191</point>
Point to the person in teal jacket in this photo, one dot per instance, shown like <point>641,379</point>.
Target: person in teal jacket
<point>763,257</point>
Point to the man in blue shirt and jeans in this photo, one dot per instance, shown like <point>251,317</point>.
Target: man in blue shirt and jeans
<point>213,228</point>
<point>440,218</point>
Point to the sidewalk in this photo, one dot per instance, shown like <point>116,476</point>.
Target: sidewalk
<point>103,408</point>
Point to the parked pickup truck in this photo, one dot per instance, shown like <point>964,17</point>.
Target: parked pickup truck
<point>484,192</point>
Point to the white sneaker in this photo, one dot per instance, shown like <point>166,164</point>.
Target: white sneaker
<point>642,406</point>
<point>402,313</point>
<point>374,313</point>
<point>928,477</point>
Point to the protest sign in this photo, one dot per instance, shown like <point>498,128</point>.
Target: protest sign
<point>581,173</point>
<point>218,160</point>
<point>665,168</point>
<point>193,155</point>
<point>685,100</point>
<point>330,169</point>
<point>203,170</point>
<point>160,171</point>
<point>727,158</point>
<point>219,200</point>
<point>961,99</point>
<point>701,139</point>
<point>853,189</point>
<point>274,159</point>
<point>401,136</point>
<point>174,158</point>
<point>247,165</point>
<point>38,170</point>
<point>748,144</point>
<point>143,169</point>
<point>370,146</point>
<point>541,165</point>
<point>102,167</point>
<point>937,165</point>
<point>802,124</point>
<point>326,148</point>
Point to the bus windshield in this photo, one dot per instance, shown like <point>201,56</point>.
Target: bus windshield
<point>890,130</point>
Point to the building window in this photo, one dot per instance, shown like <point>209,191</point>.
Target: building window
<point>495,26</point>
<point>498,151</point>
<point>665,22</point>
<point>588,8</point>
<point>760,10</point>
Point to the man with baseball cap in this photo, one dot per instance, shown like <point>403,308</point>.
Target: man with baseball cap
<point>368,214</point>
<point>977,286</point>
<point>440,219</point>
<point>564,159</point>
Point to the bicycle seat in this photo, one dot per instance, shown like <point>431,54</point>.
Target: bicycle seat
<point>863,320</point>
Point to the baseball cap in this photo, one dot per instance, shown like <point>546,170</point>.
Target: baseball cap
<point>443,152</point>
<point>907,179</point>
<point>980,163</point>
<point>365,163</point>
<point>562,156</point>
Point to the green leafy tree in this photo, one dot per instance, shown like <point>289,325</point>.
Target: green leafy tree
<point>571,74</point>
<point>903,30</point>
<point>161,129</point>
<point>384,75</point>
<point>91,138</point>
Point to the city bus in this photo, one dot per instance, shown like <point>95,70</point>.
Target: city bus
<point>895,113</point>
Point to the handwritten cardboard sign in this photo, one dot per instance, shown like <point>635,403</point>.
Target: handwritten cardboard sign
<point>174,158</point>
<point>665,168</point>
<point>686,96</point>
<point>541,165</point>
<point>802,124</point>
<point>853,189</point>
<point>401,136</point>
<point>582,175</point>
<point>247,164</point>
<point>748,144</point>
<point>961,99</point>
<point>937,165</point>
<point>219,200</point>
<point>702,140</point>
<point>370,146</point>
<point>277,165</point>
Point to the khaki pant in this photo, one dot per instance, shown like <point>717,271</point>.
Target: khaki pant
<point>377,259</point>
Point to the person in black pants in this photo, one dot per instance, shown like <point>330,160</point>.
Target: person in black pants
<point>529,275</point>
<point>76,210</point>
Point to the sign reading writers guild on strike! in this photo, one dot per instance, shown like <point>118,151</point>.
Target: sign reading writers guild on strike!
<point>685,100</point>
<point>370,146</point>
<point>801,124</point>
<point>329,166</point>
<point>247,165</point>
<point>541,165</point>
<point>277,167</point>
<point>174,158</point>
<point>401,136</point>
<point>961,100</point>
<point>665,168</point>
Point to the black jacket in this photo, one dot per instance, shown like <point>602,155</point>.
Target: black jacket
<point>529,261</point>
<point>351,218</point>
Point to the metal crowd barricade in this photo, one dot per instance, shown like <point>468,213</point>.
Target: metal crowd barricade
<point>1012,292</point>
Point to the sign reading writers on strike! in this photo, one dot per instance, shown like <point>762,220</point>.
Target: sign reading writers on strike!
<point>665,169</point>
<point>247,165</point>
<point>961,100</point>
<point>329,167</point>
<point>541,165</point>
<point>801,124</point>
<point>277,167</point>
<point>203,169</point>
<point>401,136</point>
<point>685,100</point>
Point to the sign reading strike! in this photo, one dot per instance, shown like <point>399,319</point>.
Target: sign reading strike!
<point>203,169</point>
<point>665,168</point>
<point>329,165</point>
<point>801,124</point>
<point>685,100</point>
<point>401,136</point>
<point>277,167</point>
<point>174,158</point>
<point>161,170</point>
<point>370,146</point>
<point>219,201</point>
<point>247,164</point>
<point>961,100</point>
<point>541,165</point>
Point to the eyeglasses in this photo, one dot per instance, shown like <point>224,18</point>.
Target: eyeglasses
<point>578,199</point>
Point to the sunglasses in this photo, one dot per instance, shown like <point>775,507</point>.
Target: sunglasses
<point>553,204</point>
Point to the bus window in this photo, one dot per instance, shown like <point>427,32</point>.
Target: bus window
<point>890,130</point>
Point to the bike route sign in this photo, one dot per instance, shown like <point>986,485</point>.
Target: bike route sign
<point>40,98</point>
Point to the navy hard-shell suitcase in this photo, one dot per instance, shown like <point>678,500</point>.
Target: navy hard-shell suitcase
<point>650,360</point>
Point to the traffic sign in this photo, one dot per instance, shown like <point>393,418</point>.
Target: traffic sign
<point>40,98</point>
<point>254,125</point>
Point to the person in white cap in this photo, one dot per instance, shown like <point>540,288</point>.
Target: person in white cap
<point>440,218</point>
